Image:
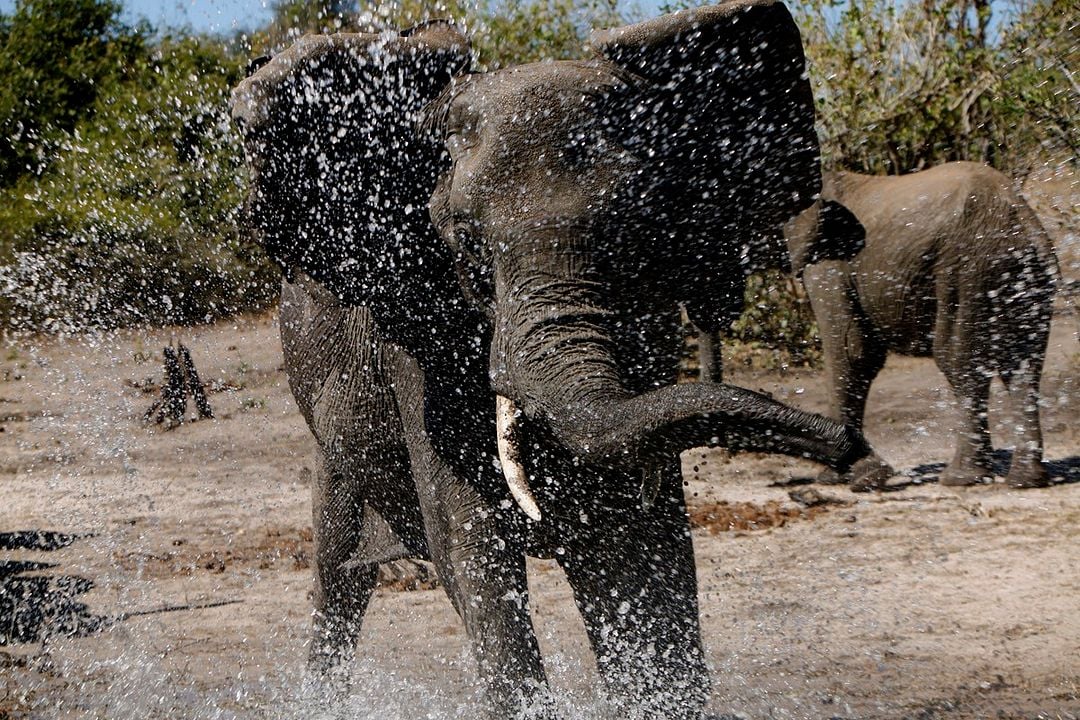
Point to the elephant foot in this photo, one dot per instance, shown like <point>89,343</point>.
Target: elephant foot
<point>870,473</point>
<point>1029,474</point>
<point>328,679</point>
<point>828,476</point>
<point>326,686</point>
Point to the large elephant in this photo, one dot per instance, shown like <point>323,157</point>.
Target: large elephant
<point>495,377</point>
<point>955,265</point>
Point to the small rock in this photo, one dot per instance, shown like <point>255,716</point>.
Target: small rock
<point>810,497</point>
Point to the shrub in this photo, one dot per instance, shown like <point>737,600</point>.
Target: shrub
<point>134,222</point>
<point>777,324</point>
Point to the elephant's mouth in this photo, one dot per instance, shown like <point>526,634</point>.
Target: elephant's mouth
<point>644,431</point>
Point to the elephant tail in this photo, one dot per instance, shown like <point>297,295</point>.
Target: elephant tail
<point>1033,228</point>
<point>1043,244</point>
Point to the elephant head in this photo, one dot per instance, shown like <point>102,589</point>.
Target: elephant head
<point>573,198</point>
<point>582,194</point>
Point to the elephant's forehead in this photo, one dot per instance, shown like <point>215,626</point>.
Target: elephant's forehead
<point>537,86</point>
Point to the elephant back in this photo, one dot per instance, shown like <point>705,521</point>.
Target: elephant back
<point>718,95</point>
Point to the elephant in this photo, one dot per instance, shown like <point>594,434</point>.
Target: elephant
<point>484,340</point>
<point>955,265</point>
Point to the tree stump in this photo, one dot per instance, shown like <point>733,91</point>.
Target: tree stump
<point>181,380</point>
<point>194,385</point>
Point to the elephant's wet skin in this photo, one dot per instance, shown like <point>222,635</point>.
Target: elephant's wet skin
<point>956,266</point>
<point>536,277</point>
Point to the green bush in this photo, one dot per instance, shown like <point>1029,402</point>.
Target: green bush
<point>903,86</point>
<point>120,177</point>
<point>133,220</point>
<point>119,204</point>
<point>54,54</point>
<point>502,33</point>
<point>777,324</point>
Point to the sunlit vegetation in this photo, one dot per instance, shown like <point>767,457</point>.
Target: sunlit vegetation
<point>121,178</point>
<point>121,184</point>
<point>903,86</point>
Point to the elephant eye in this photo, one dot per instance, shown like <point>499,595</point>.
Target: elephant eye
<point>461,130</point>
<point>456,145</point>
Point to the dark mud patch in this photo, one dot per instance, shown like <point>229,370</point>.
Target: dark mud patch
<point>273,549</point>
<point>276,549</point>
<point>406,576</point>
<point>748,517</point>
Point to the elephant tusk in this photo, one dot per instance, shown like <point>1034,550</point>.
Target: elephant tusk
<point>510,457</point>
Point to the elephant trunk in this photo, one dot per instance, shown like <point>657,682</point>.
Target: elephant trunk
<point>616,428</point>
<point>554,358</point>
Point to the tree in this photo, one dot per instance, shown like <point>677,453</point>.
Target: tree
<point>135,221</point>
<point>502,33</point>
<point>903,86</point>
<point>1038,84</point>
<point>54,55</point>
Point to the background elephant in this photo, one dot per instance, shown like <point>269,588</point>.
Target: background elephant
<point>526,329</point>
<point>955,265</point>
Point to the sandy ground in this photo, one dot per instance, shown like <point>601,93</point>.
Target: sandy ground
<point>922,602</point>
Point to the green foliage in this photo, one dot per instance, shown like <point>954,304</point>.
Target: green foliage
<point>54,54</point>
<point>777,319</point>
<point>502,33</point>
<point>294,18</point>
<point>135,220</point>
<point>902,86</point>
<point>1039,58</point>
<point>120,177</point>
<point>513,33</point>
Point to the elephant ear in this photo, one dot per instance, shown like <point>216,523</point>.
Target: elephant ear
<point>827,231</point>
<point>719,95</point>
<point>339,175</point>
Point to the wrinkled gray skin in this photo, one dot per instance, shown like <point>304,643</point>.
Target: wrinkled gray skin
<point>536,276</point>
<point>956,266</point>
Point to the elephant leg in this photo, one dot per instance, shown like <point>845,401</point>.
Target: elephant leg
<point>481,565</point>
<point>1026,469</point>
<point>1027,311</point>
<point>966,369</point>
<point>854,350</point>
<point>710,346</point>
<point>1022,383</point>
<point>341,594</point>
<point>633,576</point>
<point>636,587</point>
<point>484,575</point>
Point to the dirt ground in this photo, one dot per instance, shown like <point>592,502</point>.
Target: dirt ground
<point>176,580</point>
